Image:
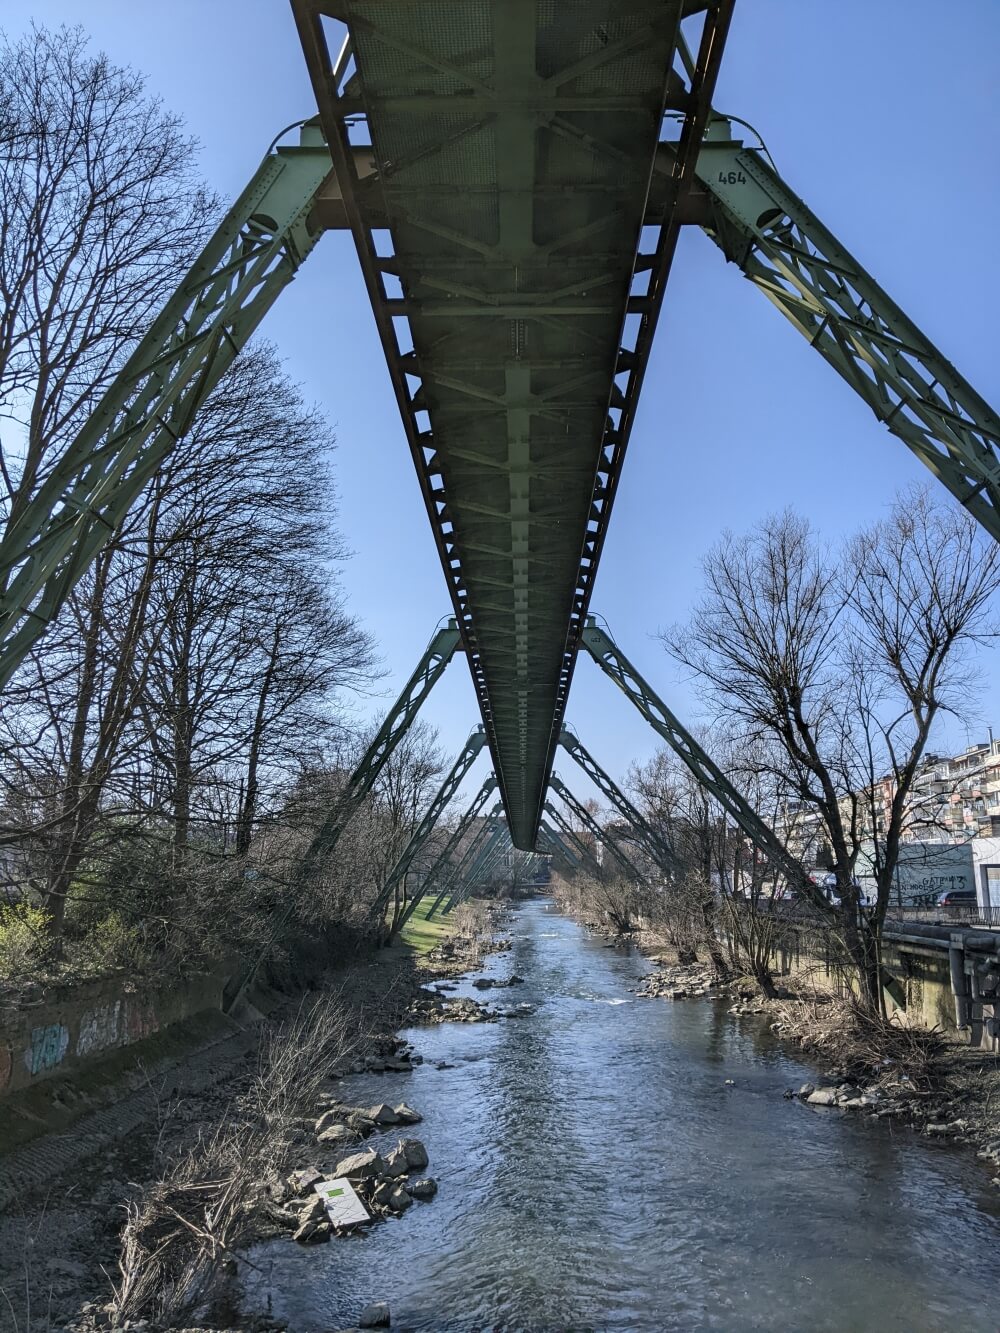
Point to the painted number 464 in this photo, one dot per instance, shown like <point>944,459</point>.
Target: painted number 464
<point>732,178</point>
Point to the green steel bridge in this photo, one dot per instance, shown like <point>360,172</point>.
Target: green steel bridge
<point>515,175</point>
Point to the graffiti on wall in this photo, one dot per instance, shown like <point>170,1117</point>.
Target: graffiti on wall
<point>99,1029</point>
<point>48,1048</point>
<point>140,1019</point>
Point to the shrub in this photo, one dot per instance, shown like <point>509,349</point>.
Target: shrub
<point>25,942</point>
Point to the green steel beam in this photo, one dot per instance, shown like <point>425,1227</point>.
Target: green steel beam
<point>468,857</point>
<point>592,826</point>
<point>613,662</point>
<point>651,843</point>
<point>557,847</point>
<point>442,860</point>
<point>489,864</point>
<point>516,260</point>
<point>251,258</point>
<point>587,858</point>
<point>787,253</point>
<point>454,779</point>
<point>490,840</point>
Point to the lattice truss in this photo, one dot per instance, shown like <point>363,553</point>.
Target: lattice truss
<point>516,270</point>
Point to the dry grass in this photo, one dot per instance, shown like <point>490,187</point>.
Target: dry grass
<point>861,1045</point>
<point>187,1225</point>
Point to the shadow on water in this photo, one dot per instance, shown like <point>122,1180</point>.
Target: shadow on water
<point>597,1172</point>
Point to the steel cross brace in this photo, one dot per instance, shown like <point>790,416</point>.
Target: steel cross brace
<point>569,834</point>
<point>616,665</point>
<point>558,848</point>
<point>785,251</point>
<point>487,865</point>
<point>468,857</point>
<point>456,776</point>
<point>592,826</point>
<point>442,860</point>
<point>492,838</point>
<point>651,843</point>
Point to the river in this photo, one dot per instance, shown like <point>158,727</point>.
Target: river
<point>598,1170</point>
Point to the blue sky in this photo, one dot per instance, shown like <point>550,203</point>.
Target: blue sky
<point>882,116</point>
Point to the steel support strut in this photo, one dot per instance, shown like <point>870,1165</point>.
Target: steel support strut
<point>785,251</point>
<point>251,258</point>
<point>592,826</point>
<point>442,860</point>
<point>569,835</point>
<point>456,776</point>
<point>557,847</point>
<point>468,857</point>
<point>616,665</point>
<point>490,861</point>
<point>651,843</point>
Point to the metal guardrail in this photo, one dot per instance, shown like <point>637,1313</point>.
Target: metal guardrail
<point>961,914</point>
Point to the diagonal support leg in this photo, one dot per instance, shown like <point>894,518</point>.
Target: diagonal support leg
<point>618,668</point>
<point>592,826</point>
<point>654,846</point>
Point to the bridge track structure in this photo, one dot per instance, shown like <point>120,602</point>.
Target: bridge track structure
<point>516,272</point>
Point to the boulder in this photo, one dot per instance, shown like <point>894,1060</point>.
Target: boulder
<point>374,1316</point>
<point>406,1115</point>
<point>382,1114</point>
<point>822,1097</point>
<point>483,983</point>
<point>360,1166</point>
<point>303,1181</point>
<point>337,1134</point>
<point>807,1090</point>
<point>383,1192</point>
<point>396,1164</point>
<point>399,1200</point>
<point>415,1154</point>
<point>423,1189</point>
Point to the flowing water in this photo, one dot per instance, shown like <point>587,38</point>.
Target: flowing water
<point>598,1171</point>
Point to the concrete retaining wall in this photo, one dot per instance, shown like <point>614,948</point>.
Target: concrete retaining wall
<point>69,1029</point>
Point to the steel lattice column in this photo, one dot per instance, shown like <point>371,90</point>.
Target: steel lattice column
<point>652,844</point>
<point>440,864</point>
<point>616,665</point>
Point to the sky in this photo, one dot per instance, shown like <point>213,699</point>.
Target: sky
<point>882,116</point>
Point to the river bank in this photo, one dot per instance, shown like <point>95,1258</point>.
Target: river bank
<point>605,1163</point>
<point>63,1260</point>
<point>931,1081</point>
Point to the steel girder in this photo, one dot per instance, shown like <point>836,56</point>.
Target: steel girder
<point>651,843</point>
<point>488,863</point>
<point>442,861</point>
<point>592,826</point>
<point>499,247</point>
<point>468,857</point>
<point>569,835</point>
<point>454,779</point>
<point>557,847</point>
<point>613,662</point>
<point>786,252</point>
<point>249,261</point>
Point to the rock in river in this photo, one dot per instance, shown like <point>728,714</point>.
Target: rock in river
<point>375,1316</point>
<point>406,1114</point>
<point>360,1166</point>
<point>423,1189</point>
<point>415,1153</point>
<point>399,1200</point>
<point>382,1114</point>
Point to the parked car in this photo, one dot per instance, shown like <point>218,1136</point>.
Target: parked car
<point>957,898</point>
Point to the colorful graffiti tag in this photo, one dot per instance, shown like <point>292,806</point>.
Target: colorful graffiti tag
<point>48,1048</point>
<point>99,1029</point>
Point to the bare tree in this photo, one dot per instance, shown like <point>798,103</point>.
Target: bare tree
<point>836,668</point>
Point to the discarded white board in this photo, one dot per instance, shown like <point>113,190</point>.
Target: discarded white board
<point>343,1206</point>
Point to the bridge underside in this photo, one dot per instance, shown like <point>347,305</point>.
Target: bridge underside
<point>515,262</point>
